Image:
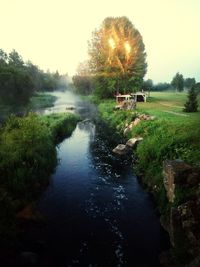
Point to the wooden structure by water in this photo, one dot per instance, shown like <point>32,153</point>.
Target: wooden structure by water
<point>137,97</point>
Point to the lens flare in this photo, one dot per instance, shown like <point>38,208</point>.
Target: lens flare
<point>127,47</point>
<point>111,43</point>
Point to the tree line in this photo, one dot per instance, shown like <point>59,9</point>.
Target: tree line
<point>178,83</point>
<point>19,80</point>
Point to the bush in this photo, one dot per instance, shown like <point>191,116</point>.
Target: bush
<point>41,100</point>
<point>60,125</point>
<point>116,119</point>
<point>192,104</point>
<point>27,153</point>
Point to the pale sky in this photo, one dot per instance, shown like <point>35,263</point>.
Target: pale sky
<point>53,34</point>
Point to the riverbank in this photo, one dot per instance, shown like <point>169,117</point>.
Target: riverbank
<point>172,134</point>
<point>27,158</point>
<point>41,100</point>
<point>38,101</point>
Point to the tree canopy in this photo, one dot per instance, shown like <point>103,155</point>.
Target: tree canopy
<point>178,82</point>
<point>189,82</point>
<point>117,56</point>
<point>19,80</point>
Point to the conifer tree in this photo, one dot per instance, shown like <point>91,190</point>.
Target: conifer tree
<point>191,105</point>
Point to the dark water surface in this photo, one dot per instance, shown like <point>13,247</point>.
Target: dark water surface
<point>97,213</point>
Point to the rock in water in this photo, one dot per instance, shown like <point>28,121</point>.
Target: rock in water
<point>70,108</point>
<point>121,149</point>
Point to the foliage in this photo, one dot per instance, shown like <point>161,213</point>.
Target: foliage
<point>27,158</point>
<point>41,100</point>
<point>178,82</point>
<point>197,88</point>
<point>161,87</point>
<point>191,105</point>
<point>14,59</point>
<point>116,119</point>
<point>147,85</point>
<point>27,152</point>
<point>60,125</point>
<point>25,144</point>
<point>20,80</point>
<point>169,136</point>
<point>117,57</point>
<point>16,86</point>
<point>167,140</point>
<point>103,86</point>
<point>189,82</point>
<point>83,84</point>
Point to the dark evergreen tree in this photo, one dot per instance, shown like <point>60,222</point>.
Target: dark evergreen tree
<point>192,104</point>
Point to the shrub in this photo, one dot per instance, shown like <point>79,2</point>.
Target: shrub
<point>192,104</point>
<point>27,153</point>
<point>60,125</point>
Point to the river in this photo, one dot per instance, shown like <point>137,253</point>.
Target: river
<point>97,213</point>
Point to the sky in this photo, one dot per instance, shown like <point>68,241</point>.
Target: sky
<point>53,34</point>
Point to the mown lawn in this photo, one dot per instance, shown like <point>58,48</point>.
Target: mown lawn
<point>168,105</point>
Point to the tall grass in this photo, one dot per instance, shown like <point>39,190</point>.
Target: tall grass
<point>41,100</point>
<point>60,125</point>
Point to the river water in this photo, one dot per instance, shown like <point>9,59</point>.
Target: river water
<point>97,214</point>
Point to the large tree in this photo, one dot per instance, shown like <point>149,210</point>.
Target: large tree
<point>147,85</point>
<point>117,56</point>
<point>178,82</point>
<point>15,59</point>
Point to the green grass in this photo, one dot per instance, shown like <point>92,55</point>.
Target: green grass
<point>60,125</point>
<point>173,134</point>
<point>116,119</point>
<point>41,100</point>
<point>38,101</point>
<point>168,105</point>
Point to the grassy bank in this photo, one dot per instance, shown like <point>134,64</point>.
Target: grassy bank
<point>60,125</point>
<point>37,101</point>
<point>27,158</point>
<point>173,134</point>
<point>41,100</point>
